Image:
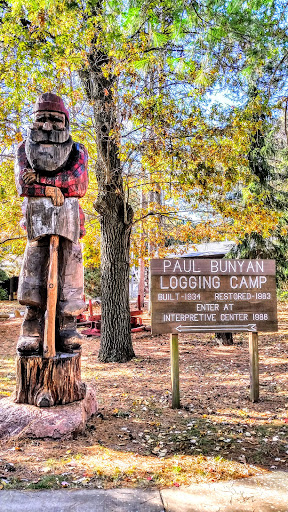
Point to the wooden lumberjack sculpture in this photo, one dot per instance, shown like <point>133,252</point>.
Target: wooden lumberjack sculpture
<point>51,174</point>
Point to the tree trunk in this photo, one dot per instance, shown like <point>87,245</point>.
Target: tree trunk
<point>224,338</point>
<point>116,215</point>
<point>116,342</point>
<point>51,381</point>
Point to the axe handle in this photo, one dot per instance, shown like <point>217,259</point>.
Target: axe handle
<point>52,292</point>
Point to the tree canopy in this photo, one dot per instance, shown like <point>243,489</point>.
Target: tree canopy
<point>167,60</point>
<point>171,100</point>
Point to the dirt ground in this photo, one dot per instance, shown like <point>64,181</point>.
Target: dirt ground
<point>137,439</point>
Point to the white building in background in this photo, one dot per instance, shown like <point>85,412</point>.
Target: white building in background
<point>205,250</point>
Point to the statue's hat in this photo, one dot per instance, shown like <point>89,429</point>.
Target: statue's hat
<point>51,102</point>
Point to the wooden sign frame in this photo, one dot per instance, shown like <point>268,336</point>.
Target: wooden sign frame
<point>213,295</point>
<point>189,295</point>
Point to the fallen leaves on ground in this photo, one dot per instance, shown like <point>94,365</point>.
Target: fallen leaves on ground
<point>136,439</point>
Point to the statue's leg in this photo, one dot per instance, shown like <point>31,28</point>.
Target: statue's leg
<point>32,292</point>
<point>30,339</point>
<point>71,303</point>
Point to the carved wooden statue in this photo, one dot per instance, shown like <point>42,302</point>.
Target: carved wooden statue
<point>51,174</point>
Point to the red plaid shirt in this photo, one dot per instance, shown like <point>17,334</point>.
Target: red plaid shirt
<point>72,180</point>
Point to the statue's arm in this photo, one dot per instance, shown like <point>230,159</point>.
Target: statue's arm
<point>72,182</point>
<point>27,180</point>
<point>26,188</point>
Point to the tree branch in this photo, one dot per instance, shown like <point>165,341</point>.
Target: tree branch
<point>11,239</point>
<point>149,214</point>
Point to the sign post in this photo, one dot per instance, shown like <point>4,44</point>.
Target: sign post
<point>174,353</point>
<point>213,295</point>
<point>254,366</point>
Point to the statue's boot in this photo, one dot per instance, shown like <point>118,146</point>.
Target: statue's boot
<point>29,345</point>
<point>68,339</point>
<point>30,339</point>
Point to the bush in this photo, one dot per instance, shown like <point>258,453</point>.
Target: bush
<point>92,282</point>
<point>282,295</point>
<point>3,277</point>
<point>3,294</point>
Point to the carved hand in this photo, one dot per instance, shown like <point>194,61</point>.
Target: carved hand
<point>30,176</point>
<point>55,194</point>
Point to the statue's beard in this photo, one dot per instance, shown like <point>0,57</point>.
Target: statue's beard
<point>45,154</point>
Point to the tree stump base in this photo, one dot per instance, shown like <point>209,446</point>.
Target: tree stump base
<point>24,421</point>
<point>45,382</point>
<point>224,338</point>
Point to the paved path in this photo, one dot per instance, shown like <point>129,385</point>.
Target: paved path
<point>118,500</point>
<point>267,493</point>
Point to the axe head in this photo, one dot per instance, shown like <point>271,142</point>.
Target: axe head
<point>43,218</point>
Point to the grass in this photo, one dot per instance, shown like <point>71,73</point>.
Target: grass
<point>174,471</point>
<point>7,376</point>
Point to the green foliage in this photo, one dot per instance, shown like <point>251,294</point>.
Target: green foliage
<point>3,294</point>
<point>92,282</point>
<point>165,60</point>
<point>12,236</point>
<point>268,164</point>
<point>276,248</point>
<point>46,482</point>
<point>282,295</point>
<point>3,275</point>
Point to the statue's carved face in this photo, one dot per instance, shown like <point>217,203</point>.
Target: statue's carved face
<point>49,121</point>
<point>49,143</point>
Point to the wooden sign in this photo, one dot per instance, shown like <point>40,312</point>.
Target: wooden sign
<point>213,295</point>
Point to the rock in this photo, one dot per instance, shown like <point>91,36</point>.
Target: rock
<point>60,422</point>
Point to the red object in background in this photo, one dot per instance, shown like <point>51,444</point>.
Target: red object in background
<point>93,331</point>
<point>95,322</point>
<point>81,318</point>
<point>91,317</point>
